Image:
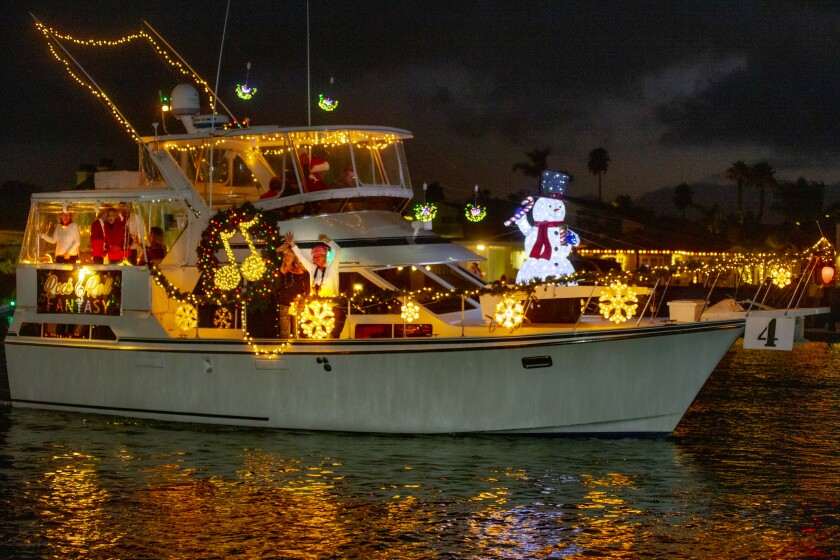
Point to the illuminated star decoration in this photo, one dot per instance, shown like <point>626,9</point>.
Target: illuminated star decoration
<point>410,311</point>
<point>186,316</point>
<point>509,313</point>
<point>243,91</point>
<point>315,317</point>
<point>326,103</point>
<point>223,318</point>
<point>781,276</point>
<point>474,212</point>
<point>618,303</point>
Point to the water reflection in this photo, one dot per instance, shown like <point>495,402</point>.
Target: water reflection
<point>751,472</point>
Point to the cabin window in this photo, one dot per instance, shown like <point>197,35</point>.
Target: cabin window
<point>141,222</point>
<point>67,330</point>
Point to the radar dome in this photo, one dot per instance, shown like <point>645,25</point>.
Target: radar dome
<point>185,100</point>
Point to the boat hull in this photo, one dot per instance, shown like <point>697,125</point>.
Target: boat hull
<point>622,381</point>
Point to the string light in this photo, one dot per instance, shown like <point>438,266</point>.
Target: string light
<point>163,53</point>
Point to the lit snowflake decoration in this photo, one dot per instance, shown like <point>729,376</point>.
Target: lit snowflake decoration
<point>425,212</point>
<point>326,103</point>
<point>186,316</point>
<point>245,92</point>
<point>222,319</point>
<point>509,313</point>
<point>618,303</point>
<point>781,276</point>
<point>315,318</point>
<point>410,311</point>
<point>475,213</point>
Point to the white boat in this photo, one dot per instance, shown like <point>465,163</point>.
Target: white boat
<point>164,342</point>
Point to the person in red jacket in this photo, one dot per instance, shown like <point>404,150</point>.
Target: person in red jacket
<point>115,236</point>
<point>97,238</point>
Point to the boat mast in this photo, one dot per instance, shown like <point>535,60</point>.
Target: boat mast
<point>308,74</point>
<point>215,99</point>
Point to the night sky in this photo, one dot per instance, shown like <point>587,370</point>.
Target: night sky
<point>674,91</point>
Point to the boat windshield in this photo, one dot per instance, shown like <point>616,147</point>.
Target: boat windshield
<point>287,163</point>
<point>135,235</point>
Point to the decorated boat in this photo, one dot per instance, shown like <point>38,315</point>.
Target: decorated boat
<point>410,342</point>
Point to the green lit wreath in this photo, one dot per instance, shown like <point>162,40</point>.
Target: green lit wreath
<point>224,281</point>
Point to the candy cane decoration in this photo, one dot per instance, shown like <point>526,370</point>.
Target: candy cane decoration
<point>527,204</point>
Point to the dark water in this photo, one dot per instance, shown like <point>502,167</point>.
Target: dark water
<point>753,471</point>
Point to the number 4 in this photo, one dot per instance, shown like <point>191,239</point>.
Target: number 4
<point>770,332</point>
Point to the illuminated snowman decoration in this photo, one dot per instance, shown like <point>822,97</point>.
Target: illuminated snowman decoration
<point>548,242</point>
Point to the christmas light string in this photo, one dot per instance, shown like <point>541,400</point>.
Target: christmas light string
<point>53,35</point>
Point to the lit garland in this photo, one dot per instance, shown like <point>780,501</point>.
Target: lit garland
<point>52,34</point>
<point>186,316</point>
<point>425,212</point>
<point>509,313</point>
<point>315,317</point>
<point>618,303</point>
<point>326,103</point>
<point>475,213</point>
<point>410,311</point>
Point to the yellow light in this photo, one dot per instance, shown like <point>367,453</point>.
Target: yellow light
<point>410,311</point>
<point>480,247</point>
<point>781,276</point>
<point>509,313</point>
<point>316,318</point>
<point>357,287</point>
<point>186,316</point>
<point>164,108</point>
<point>618,303</point>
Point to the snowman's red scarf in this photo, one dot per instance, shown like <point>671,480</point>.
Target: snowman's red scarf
<point>542,246</point>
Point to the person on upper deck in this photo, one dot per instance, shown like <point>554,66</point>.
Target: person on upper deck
<point>66,238</point>
<point>317,169</point>
<point>274,188</point>
<point>346,180</point>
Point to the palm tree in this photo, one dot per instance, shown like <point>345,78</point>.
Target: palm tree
<point>536,164</point>
<point>739,174</point>
<point>761,176</point>
<point>682,198</point>
<point>599,160</point>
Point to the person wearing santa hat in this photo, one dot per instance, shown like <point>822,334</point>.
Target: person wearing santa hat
<point>323,275</point>
<point>317,169</point>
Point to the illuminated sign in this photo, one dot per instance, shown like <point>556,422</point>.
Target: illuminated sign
<point>79,291</point>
